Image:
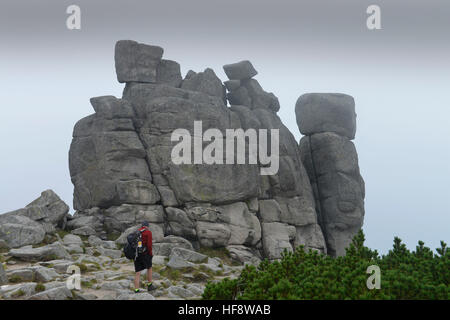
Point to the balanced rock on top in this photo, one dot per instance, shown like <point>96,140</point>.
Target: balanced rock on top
<point>326,112</point>
<point>240,70</point>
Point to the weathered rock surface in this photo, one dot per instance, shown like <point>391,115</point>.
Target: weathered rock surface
<point>48,252</point>
<point>326,112</point>
<point>331,161</point>
<point>121,162</point>
<point>136,61</point>
<point>58,293</point>
<point>3,276</point>
<point>17,230</point>
<point>29,225</point>
<point>240,70</point>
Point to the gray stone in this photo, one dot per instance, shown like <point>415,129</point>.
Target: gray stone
<point>206,82</point>
<point>84,231</point>
<point>243,254</point>
<point>3,244</point>
<point>269,210</point>
<point>239,96</point>
<point>168,198</point>
<point>134,296</point>
<point>60,266</point>
<point>113,254</point>
<point>168,72</point>
<point>48,208</point>
<point>97,242</point>
<point>84,296</point>
<point>211,267</point>
<point>214,261</point>
<point>332,164</point>
<point>276,238</point>
<point>109,107</point>
<point>136,62</point>
<point>177,262</point>
<point>232,85</point>
<point>297,211</point>
<point>164,109</point>
<point>3,277</point>
<point>18,231</point>
<point>213,234</point>
<point>188,255</point>
<point>259,98</point>
<point>196,289</point>
<point>120,218</point>
<point>253,204</point>
<point>108,166</point>
<point>48,252</point>
<point>311,237</point>
<point>244,226</point>
<point>326,112</point>
<point>181,292</point>
<point>84,220</point>
<point>164,248</point>
<point>72,239</point>
<point>240,70</point>
<point>43,274</point>
<point>180,224</point>
<point>204,212</point>
<point>115,285</point>
<point>24,274</point>
<point>21,290</point>
<point>59,293</point>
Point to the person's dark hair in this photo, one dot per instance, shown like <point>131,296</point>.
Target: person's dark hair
<point>145,223</point>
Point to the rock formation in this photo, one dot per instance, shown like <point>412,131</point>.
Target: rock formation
<point>28,226</point>
<point>328,122</point>
<point>121,167</point>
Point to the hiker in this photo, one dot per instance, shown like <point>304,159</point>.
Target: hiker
<point>143,259</point>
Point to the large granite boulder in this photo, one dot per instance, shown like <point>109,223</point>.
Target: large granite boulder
<point>240,70</point>
<point>49,252</point>
<point>206,82</point>
<point>107,160</point>
<point>136,61</point>
<point>18,231</point>
<point>326,112</point>
<point>30,224</point>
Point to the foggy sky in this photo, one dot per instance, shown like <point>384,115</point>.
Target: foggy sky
<point>399,77</point>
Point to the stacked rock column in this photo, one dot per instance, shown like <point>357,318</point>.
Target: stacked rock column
<point>328,121</point>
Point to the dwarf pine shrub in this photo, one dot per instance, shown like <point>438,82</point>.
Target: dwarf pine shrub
<point>420,274</point>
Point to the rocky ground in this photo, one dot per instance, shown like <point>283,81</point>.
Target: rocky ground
<point>40,272</point>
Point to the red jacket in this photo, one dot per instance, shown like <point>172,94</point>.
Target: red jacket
<point>147,239</point>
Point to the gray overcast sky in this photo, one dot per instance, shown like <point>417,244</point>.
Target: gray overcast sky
<point>399,77</point>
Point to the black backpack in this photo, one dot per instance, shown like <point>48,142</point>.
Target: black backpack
<point>134,246</point>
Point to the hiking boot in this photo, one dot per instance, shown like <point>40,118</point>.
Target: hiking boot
<point>150,286</point>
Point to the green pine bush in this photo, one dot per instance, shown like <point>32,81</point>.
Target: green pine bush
<point>420,274</point>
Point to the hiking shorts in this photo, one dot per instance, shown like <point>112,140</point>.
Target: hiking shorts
<point>143,262</point>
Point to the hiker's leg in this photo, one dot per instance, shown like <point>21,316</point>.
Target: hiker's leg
<point>137,279</point>
<point>149,274</point>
